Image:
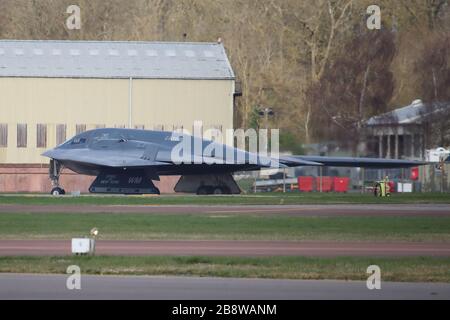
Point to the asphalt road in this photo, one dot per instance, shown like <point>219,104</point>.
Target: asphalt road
<point>291,210</point>
<point>15,286</point>
<point>228,248</point>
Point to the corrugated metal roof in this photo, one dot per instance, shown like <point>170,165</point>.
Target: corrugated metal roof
<point>414,113</point>
<point>113,59</point>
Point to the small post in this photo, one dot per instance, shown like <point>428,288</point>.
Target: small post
<point>402,179</point>
<point>320,179</point>
<point>284,180</point>
<point>130,103</point>
<point>94,234</point>
<point>363,174</point>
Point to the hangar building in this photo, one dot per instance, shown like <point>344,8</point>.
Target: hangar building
<point>52,90</point>
<point>402,133</point>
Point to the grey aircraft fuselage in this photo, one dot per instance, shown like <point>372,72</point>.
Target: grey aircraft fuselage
<point>95,151</point>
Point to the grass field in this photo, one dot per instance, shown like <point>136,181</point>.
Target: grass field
<point>230,227</point>
<point>251,199</point>
<point>392,269</point>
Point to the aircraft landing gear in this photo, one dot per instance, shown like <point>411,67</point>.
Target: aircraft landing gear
<point>213,184</point>
<point>208,190</point>
<point>58,191</point>
<point>54,173</point>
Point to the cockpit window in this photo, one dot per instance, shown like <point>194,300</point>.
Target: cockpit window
<point>175,137</point>
<point>108,135</point>
<point>78,141</point>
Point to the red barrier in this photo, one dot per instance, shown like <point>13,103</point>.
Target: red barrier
<point>341,184</point>
<point>391,186</point>
<point>327,184</point>
<point>415,173</point>
<point>305,184</point>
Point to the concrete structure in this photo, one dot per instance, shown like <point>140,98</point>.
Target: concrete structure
<point>404,133</point>
<point>401,134</point>
<point>52,90</point>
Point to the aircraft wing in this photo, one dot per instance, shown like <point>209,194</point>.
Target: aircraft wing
<point>259,160</point>
<point>375,163</point>
<point>118,160</point>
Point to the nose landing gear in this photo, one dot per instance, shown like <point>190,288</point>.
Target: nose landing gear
<point>54,173</point>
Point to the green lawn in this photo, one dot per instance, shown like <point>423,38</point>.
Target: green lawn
<point>234,227</point>
<point>237,227</point>
<point>251,199</point>
<point>392,269</point>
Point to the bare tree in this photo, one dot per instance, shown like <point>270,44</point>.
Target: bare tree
<point>320,41</point>
<point>356,86</point>
<point>278,48</point>
<point>433,69</point>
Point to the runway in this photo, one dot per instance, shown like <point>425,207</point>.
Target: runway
<point>426,210</point>
<point>229,248</point>
<point>14,286</point>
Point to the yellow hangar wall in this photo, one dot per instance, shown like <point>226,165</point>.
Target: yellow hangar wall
<point>154,104</point>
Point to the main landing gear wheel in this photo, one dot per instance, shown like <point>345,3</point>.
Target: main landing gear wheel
<point>202,191</point>
<point>211,190</point>
<point>218,191</point>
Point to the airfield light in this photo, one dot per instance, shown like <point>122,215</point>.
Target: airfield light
<point>94,232</point>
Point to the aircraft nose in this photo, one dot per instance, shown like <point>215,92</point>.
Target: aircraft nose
<point>48,153</point>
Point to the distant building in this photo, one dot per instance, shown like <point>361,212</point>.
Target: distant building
<point>52,90</point>
<point>402,133</point>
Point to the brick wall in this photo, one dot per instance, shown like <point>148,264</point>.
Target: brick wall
<point>34,178</point>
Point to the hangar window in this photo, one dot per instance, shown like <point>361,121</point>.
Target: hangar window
<point>80,128</point>
<point>75,52</point>
<point>21,135</point>
<point>139,127</point>
<point>60,133</point>
<point>189,53</point>
<point>41,136</point>
<point>171,53</point>
<point>113,52</point>
<point>56,52</point>
<point>3,135</point>
<point>132,52</point>
<point>151,53</point>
